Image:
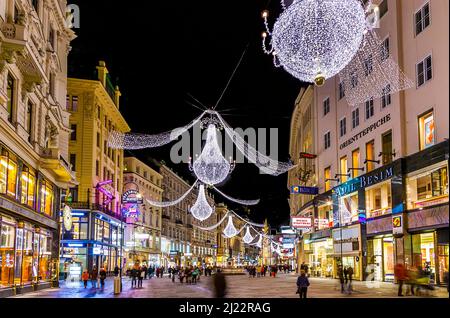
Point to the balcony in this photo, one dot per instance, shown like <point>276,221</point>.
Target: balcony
<point>21,48</point>
<point>52,161</point>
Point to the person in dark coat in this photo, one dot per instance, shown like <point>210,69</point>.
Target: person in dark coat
<point>220,284</point>
<point>116,271</point>
<point>94,276</point>
<point>340,274</point>
<point>302,285</point>
<point>102,278</point>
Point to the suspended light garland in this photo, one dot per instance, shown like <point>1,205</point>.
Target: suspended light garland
<point>259,243</point>
<point>263,162</point>
<point>211,167</point>
<point>230,230</point>
<point>248,238</point>
<point>201,210</point>
<point>212,227</point>
<point>372,73</point>
<point>171,203</point>
<point>315,39</point>
<point>246,221</point>
<point>118,140</point>
<point>243,202</point>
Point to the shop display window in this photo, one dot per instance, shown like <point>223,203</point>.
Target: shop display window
<point>428,188</point>
<point>443,261</point>
<point>426,130</point>
<point>424,253</point>
<point>379,199</point>
<point>8,174</point>
<point>18,256</point>
<point>27,257</point>
<point>28,187</point>
<point>45,266</point>
<point>7,238</point>
<point>348,208</point>
<point>80,228</point>
<point>46,203</point>
<point>325,216</point>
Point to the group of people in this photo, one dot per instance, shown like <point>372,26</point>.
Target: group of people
<point>345,276</point>
<point>416,278</point>
<point>262,270</point>
<point>94,276</point>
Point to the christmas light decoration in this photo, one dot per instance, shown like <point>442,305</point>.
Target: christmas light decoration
<point>372,73</point>
<point>246,221</point>
<point>230,230</point>
<point>263,162</point>
<point>118,140</point>
<point>243,202</point>
<point>211,167</point>
<point>248,238</point>
<point>201,210</point>
<point>259,243</point>
<point>170,203</point>
<point>315,39</point>
<point>212,227</point>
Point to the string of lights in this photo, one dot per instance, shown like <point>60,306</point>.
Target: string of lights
<point>171,203</point>
<point>243,202</point>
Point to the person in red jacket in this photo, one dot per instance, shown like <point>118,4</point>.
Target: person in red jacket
<point>400,275</point>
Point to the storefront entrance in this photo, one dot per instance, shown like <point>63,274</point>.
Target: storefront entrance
<point>321,259</point>
<point>380,259</point>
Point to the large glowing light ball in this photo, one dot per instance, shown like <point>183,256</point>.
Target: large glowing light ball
<point>315,39</point>
<point>211,167</point>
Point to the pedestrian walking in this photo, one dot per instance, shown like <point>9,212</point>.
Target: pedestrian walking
<point>302,284</point>
<point>85,278</point>
<point>141,275</point>
<point>350,279</point>
<point>94,277</point>
<point>345,276</point>
<point>116,271</point>
<point>102,278</point>
<point>195,274</point>
<point>400,275</point>
<point>220,284</point>
<point>340,274</point>
<point>134,275</point>
<point>145,271</point>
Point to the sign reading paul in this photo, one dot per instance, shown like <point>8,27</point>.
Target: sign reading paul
<point>130,201</point>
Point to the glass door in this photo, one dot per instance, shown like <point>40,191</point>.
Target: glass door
<point>443,262</point>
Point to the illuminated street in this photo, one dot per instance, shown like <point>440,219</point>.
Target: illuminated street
<point>282,286</point>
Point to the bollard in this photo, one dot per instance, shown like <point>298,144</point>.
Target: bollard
<point>117,287</point>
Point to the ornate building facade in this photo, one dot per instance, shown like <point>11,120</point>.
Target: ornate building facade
<point>34,140</point>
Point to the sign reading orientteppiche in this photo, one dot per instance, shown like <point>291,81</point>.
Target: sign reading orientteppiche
<point>304,190</point>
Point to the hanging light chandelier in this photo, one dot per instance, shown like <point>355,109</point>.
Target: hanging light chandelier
<point>230,230</point>
<point>248,238</point>
<point>314,40</point>
<point>201,210</point>
<point>211,167</point>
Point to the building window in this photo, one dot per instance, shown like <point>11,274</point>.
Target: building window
<point>29,119</point>
<point>343,126</point>
<point>368,65</point>
<point>98,112</point>
<point>386,96</point>
<point>73,161</point>
<point>10,91</point>
<point>7,239</point>
<point>369,108</point>
<point>424,71</point>
<point>427,188</point>
<point>28,186</point>
<point>52,86</point>
<point>383,8</point>
<point>326,106</point>
<point>422,18</point>
<point>348,209</point>
<point>8,174</point>
<point>35,4</point>
<point>97,168</point>
<point>386,143</point>
<point>370,155</point>
<point>105,147</point>
<point>98,140</point>
<point>426,130</point>
<point>327,175</point>
<point>378,199</point>
<point>46,203</point>
<point>355,163</point>
<point>341,90</point>
<point>385,49</point>
<point>327,140</point>
<point>74,104</point>
<point>73,134</point>
<point>354,79</point>
<point>343,169</point>
<point>355,118</point>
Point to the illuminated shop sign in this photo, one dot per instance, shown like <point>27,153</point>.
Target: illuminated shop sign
<point>131,211</point>
<point>364,181</point>
<point>132,196</point>
<point>364,132</point>
<point>304,190</point>
<point>300,222</point>
<point>287,230</point>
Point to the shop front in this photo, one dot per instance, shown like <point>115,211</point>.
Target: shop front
<point>321,258</point>
<point>347,250</point>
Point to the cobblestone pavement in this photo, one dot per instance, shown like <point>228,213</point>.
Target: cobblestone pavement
<point>283,286</point>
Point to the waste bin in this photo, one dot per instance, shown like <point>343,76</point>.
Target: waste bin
<point>117,286</point>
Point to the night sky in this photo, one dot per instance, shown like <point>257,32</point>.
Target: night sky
<point>161,51</point>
